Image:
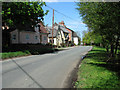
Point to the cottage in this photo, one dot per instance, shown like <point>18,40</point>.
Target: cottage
<point>57,37</point>
<point>60,34</point>
<point>75,38</point>
<point>69,30</point>
<point>33,36</point>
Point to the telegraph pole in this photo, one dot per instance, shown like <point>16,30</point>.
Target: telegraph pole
<point>52,26</point>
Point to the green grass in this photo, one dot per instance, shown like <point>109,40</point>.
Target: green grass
<point>14,54</point>
<point>7,55</point>
<point>96,72</point>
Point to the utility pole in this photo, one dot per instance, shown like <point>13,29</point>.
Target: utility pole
<point>52,26</point>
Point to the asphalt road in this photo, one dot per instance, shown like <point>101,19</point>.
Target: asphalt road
<point>42,71</point>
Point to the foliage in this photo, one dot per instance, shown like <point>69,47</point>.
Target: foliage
<point>63,44</point>
<point>102,18</point>
<point>95,72</point>
<point>22,14</point>
<point>92,38</point>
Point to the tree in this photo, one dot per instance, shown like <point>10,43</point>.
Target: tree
<point>22,15</point>
<point>102,19</point>
<point>91,38</point>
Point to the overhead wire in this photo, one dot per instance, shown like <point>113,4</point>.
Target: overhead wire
<point>65,16</point>
<point>62,13</point>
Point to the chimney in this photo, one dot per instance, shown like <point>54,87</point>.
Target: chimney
<point>62,23</point>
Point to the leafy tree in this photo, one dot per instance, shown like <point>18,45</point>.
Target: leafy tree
<point>92,38</point>
<point>102,19</point>
<point>22,14</point>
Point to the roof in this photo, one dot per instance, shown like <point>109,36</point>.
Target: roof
<point>42,28</point>
<point>75,34</point>
<point>64,29</point>
<point>50,31</point>
<point>69,29</point>
<point>30,29</point>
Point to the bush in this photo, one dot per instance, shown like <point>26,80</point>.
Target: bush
<point>25,49</point>
<point>63,45</point>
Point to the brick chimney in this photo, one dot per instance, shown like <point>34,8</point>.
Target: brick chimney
<point>62,23</point>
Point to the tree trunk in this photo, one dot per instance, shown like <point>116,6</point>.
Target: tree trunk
<point>117,43</point>
<point>107,48</point>
<point>112,50</point>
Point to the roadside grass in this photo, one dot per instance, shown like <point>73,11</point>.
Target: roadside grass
<point>6,55</point>
<point>14,54</point>
<point>97,72</point>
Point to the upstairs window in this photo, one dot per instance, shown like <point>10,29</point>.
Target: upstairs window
<point>36,37</point>
<point>14,37</point>
<point>45,38</point>
<point>27,37</point>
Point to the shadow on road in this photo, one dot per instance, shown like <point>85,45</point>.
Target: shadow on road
<point>40,86</point>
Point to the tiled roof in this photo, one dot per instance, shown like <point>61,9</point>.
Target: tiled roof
<point>50,31</point>
<point>64,29</point>
<point>42,28</point>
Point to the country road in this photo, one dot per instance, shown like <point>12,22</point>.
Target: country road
<point>42,71</point>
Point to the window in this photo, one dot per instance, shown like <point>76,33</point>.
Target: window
<point>45,38</point>
<point>27,36</point>
<point>14,37</point>
<point>36,37</point>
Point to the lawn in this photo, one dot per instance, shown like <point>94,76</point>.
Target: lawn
<point>14,54</point>
<point>6,55</point>
<point>97,72</point>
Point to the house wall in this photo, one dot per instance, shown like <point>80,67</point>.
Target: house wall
<point>63,37</point>
<point>55,41</point>
<point>70,35</point>
<point>48,40</point>
<point>75,40</point>
<point>23,34</point>
<point>59,38</point>
<point>44,39</point>
<point>15,32</point>
<point>31,37</point>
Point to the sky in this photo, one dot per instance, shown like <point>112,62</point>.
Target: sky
<point>73,19</point>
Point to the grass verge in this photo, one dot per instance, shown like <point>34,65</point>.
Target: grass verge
<point>96,72</point>
<point>14,54</point>
<point>6,55</point>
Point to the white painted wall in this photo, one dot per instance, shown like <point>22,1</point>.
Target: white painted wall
<point>55,41</point>
<point>23,39</point>
<point>75,40</point>
<point>31,39</point>
<point>44,39</point>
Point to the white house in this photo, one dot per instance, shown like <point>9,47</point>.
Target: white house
<point>31,36</point>
<point>60,34</point>
<point>24,37</point>
<point>75,38</point>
